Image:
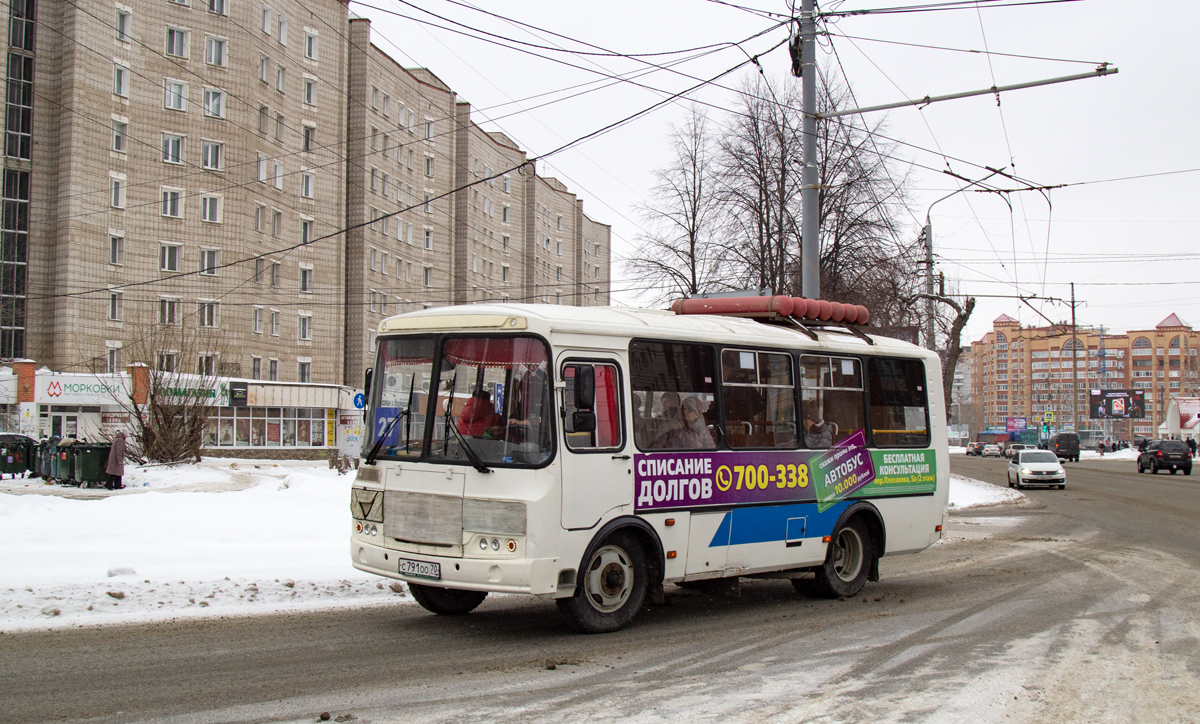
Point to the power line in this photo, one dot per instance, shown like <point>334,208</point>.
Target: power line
<point>937,7</point>
<point>963,50</point>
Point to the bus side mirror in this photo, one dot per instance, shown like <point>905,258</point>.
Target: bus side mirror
<point>583,421</point>
<point>585,388</point>
<point>367,381</point>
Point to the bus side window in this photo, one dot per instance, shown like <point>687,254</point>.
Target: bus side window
<point>760,399</point>
<point>669,376</point>
<point>899,403</point>
<point>831,399</point>
<point>606,408</point>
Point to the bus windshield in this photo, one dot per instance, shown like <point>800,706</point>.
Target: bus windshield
<point>492,394</point>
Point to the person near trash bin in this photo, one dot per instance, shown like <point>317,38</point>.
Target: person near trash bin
<point>116,463</point>
<point>1192,446</point>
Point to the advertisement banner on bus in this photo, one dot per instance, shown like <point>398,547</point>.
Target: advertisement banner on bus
<point>1120,404</point>
<point>727,478</point>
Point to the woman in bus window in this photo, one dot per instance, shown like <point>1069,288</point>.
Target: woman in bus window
<point>478,415</point>
<point>693,434</point>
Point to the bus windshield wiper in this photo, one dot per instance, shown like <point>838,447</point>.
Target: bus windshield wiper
<point>386,431</point>
<point>476,461</point>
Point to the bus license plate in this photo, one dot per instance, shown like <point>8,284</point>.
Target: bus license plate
<point>420,569</point>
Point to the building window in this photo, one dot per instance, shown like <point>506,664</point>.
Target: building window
<point>279,126</point>
<point>304,371</point>
<point>264,69</point>
<point>210,209</point>
<point>306,231</point>
<point>262,168</point>
<point>559,247</point>
<point>429,166</point>
<point>283,28</point>
<point>308,138</point>
<point>504,215</point>
<point>209,261</point>
<point>114,306</point>
<point>113,360</point>
<point>428,129</point>
<point>306,277</point>
<point>214,51</point>
<point>168,257</point>
<point>429,239</point>
<point>274,280</point>
<point>116,249</point>
<point>172,203</point>
<point>256,368</point>
<point>177,42</point>
<point>206,365</point>
<point>166,361</point>
<point>278,175</point>
<point>558,274</point>
<point>120,80</point>
<point>172,149</point>
<point>213,154</point>
<point>306,185</point>
<point>504,243</point>
<point>310,92</point>
<point>168,311</point>
<point>206,314</point>
<point>216,6</point>
<point>273,370</point>
<point>280,78</point>
<point>175,94</point>
<point>273,323</point>
<point>124,25</point>
<point>310,46</point>
<point>428,204</point>
<point>276,223</point>
<point>507,184</point>
<point>305,329</point>
<point>266,19</point>
<point>427,276</point>
<point>214,103</point>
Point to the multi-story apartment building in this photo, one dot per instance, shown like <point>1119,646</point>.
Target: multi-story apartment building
<point>260,177</point>
<point>1027,371</point>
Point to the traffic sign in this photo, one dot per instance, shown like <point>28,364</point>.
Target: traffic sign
<point>1049,417</point>
<point>360,401</point>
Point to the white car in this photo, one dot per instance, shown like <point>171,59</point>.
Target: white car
<point>991,451</point>
<point>1036,467</point>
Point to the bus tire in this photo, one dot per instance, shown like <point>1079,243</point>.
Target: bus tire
<point>611,587</point>
<point>847,561</point>
<point>446,601</point>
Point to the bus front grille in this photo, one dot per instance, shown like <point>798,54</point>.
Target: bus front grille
<point>423,518</point>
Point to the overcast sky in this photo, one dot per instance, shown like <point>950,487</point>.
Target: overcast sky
<point>1130,246</point>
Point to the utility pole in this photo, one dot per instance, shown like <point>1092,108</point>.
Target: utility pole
<point>930,339</point>
<point>1074,364</point>
<point>810,227</point>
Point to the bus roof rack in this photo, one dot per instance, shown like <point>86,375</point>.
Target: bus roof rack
<point>797,312</point>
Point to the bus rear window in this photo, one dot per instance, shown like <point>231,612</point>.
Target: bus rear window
<point>899,409</point>
<point>674,391</point>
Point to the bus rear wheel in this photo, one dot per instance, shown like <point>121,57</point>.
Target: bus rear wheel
<point>610,588</point>
<point>446,601</point>
<point>847,562</point>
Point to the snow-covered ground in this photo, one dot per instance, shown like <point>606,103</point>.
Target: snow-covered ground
<point>1126,455</point>
<point>203,540</point>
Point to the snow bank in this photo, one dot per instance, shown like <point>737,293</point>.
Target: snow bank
<point>971,493</point>
<point>280,544</point>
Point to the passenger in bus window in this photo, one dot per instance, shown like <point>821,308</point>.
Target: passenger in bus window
<point>478,415</point>
<point>693,434</point>
<point>817,432</point>
<point>670,411</point>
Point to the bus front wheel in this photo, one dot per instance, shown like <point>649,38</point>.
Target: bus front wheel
<point>847,562</point>
<point>446,601</point>
<point>610,588</point>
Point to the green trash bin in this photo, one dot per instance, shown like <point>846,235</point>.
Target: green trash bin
<point>14,454</point>
<point>62,467</point>
<point>46,458</point>
<point>91,460</point>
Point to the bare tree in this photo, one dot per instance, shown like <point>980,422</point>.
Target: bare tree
<point>170,416</point>
<point>678,256</point>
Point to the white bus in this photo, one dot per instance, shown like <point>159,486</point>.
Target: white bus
<point>591,455</point>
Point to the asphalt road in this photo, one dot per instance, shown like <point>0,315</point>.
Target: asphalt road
<point>1077,605</point>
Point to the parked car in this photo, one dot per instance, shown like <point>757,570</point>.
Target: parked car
<point>1036,467</point>
<point>1166,455</point>
<point>991,451</point>
<point>1065,445</point>
<point>1016,448</point>
<point>975,448</point>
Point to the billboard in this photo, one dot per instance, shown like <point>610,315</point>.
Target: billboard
<point>1116,404</point>
<point>1015,424</point>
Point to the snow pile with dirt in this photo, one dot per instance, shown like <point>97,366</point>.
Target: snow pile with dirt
<point>259,538</point>
<point>972,493</point>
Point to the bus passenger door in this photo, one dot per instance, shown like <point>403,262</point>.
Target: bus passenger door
<point>597,464</point>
